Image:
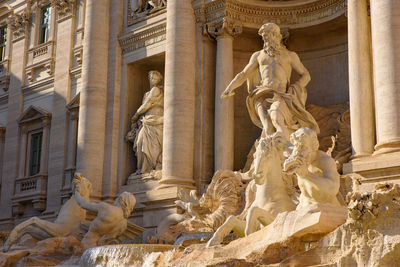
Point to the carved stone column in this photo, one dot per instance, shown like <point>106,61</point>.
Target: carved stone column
<point>179,100</point>
<point>385,25</point>
<point>92,112</point>
<point>224,32</point>
<point>360,79</point>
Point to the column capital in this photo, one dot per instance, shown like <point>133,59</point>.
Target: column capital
<point>224,27</point>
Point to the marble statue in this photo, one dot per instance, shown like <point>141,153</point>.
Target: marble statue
<point>275,104</point>
<point>67,222</point>
<point>111,220</point>
<point>267,192</point>
<point>147,127</point>
<point>317,175</point>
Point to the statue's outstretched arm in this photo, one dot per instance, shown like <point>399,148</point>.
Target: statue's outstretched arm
<point>300,69</point>
<point>87,205</point>
<point>242,76</point>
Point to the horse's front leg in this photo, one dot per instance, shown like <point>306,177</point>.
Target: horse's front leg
<point>51,228</point>
<point>231,224</point>
<point>254,217</point>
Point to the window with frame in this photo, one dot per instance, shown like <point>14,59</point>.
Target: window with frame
<point>35,153</point>
<point>3,42</point>
<point>45,15</point>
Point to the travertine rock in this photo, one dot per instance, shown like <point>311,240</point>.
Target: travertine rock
<point>290,233</point>
<point>370,237</point>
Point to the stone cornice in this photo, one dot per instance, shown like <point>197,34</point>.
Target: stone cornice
<point>134,41</point>
<point>286,14</point>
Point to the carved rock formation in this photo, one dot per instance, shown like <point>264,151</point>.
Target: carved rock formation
<point>370,237</point>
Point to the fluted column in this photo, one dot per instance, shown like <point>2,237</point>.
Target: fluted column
<point>92,112</point>
<point>224,33</point>
<point>360,79</point>
<point>385,25</point>
<point>179,99</point>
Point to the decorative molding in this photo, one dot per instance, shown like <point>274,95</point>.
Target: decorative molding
<point>291,14</point>
<point>223,27</point>
<point>64,8</point>
<point>135,41</point>
<point>19,24</point>
<point>41,56</point>
<point>33,113</point>
<point>78,54</point>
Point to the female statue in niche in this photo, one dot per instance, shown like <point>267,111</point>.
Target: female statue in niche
<point>147,127</point>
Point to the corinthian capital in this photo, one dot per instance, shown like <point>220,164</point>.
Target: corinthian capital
<point>226,26</point>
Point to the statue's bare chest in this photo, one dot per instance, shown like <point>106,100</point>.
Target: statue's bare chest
<point>279,60</point>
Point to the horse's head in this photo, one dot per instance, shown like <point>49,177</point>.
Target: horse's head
<point>268,149</point>
<point>81,185</point>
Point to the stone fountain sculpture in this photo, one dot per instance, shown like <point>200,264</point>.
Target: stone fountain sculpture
<point>146,132</point>
<point>67,222</point>
<point>271,220</point>
<point>111,220</point>
<point>316,172</point>
<point>275,104</point>
<point>223,197</point>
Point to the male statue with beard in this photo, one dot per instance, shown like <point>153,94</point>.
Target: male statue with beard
<point>274,104</point>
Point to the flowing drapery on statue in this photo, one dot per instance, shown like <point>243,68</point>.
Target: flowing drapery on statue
<point>146,132</point>
<point>148,143</point>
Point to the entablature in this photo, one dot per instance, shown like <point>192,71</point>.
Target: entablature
<point>252,14</point>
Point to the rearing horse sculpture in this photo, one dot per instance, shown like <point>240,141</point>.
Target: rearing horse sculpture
<point>267,189</point>
<point>67,222</point>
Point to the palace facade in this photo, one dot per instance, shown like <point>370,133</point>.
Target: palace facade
<point>74,72</point>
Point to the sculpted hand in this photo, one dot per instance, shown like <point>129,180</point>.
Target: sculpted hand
<point>227,93</point>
